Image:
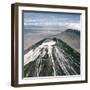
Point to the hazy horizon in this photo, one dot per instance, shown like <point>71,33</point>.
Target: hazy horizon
<point>39,25</point>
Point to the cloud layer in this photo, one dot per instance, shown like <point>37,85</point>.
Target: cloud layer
<point>51,21</point>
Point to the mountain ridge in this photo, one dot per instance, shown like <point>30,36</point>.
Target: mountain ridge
<point>51,57</point>
<point>71,37</point>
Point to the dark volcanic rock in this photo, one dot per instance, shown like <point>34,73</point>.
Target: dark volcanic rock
<point>51,57</point>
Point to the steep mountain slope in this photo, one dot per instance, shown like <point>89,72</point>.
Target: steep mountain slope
<point>71,37</point>
<point>51,57</point>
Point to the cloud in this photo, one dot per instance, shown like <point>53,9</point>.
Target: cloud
<point>53,25</point>
<point>76,26</point>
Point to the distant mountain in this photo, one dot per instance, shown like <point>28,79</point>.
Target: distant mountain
<point>71,37</point>
<point>51,57</point>
<point>73,31</point>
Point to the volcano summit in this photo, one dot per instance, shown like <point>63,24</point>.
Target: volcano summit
<point>51,57</point>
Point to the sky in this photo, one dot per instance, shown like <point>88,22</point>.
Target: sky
<point>46,21</point>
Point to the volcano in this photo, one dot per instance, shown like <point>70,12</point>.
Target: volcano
<point>51,57</point>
